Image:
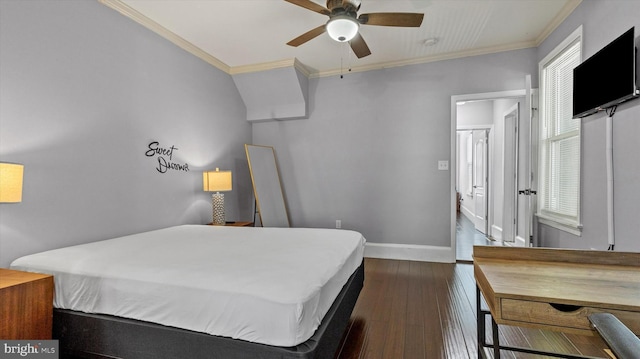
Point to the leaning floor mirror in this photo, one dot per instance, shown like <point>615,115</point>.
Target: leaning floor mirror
<point>266,186</point>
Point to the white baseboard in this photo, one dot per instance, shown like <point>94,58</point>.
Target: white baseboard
<point>496,232</point>
<point>409,252</point>
<point>520,242</point>
<point>467,213</point>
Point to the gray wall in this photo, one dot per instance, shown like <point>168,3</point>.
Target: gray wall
<point>602,22</point>
<point>368,153</point>
<point>84,90</point>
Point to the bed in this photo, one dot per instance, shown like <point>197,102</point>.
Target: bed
<point>205,292</point>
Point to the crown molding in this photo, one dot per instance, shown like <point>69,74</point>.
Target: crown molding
<point>428,59</point>
<point>271,66</point>
<point>136,16</point>
<point>557,20</point>
<point>261,66</point>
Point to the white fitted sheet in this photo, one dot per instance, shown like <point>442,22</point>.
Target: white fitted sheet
<point>265,285</point>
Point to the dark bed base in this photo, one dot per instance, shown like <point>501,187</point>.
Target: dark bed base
<point>84,335</point>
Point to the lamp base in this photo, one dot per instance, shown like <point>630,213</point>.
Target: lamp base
<point>217,203</point>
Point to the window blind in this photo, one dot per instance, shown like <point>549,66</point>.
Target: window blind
<point>559,197</point>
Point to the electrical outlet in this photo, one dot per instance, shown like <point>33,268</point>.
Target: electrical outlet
<point>338,224</point>
<point>443,165</point>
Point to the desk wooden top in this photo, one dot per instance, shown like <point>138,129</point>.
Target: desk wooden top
<point>603,280</point>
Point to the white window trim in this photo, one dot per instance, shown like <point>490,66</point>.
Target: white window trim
<point>557,222</point>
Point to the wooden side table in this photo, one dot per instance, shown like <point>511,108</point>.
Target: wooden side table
<point>26,305</point>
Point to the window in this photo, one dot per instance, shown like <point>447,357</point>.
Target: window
<point>559,192</point>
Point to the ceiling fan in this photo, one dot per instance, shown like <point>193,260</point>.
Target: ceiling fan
<point>344,23</point>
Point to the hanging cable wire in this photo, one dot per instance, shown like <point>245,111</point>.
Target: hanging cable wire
<point>610,181</point>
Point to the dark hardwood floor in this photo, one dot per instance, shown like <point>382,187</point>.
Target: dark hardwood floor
<point>427,310</point>
<point>468,236</point>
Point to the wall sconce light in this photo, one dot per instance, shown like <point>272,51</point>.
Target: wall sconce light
<point>216,181</point>
<point>11,182</point>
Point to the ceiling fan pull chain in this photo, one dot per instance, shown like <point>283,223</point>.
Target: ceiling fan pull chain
<point>349,57</point>
<point>345,46</point>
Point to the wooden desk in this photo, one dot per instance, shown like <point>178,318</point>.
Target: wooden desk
<point>26,305</point>
<point>554,289</point>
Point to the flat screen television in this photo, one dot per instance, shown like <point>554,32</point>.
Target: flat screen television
<point>607,78</point>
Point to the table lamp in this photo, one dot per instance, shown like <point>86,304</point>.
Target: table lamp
<point>216,181</point>
<point>11,182</point>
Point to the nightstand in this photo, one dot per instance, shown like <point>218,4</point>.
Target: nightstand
<point>237,224</point>
<point>26,305</point>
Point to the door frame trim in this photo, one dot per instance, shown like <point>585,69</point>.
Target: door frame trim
<point>452,155</point>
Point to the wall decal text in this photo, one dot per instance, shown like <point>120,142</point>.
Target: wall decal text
<point>162,153</point>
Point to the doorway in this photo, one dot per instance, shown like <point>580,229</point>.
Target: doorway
<point>472,175</point>
<point>499,105</point>
<point>472,182</point>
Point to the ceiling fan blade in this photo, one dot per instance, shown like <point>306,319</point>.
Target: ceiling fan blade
<point>311,34</point>
<point>359,46</point>
<point>310,5</point>
<point>402,19</point>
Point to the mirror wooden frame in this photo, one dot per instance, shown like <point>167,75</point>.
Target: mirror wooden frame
<point>267,188</point>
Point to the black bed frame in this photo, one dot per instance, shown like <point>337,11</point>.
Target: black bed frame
<point>84,335</point>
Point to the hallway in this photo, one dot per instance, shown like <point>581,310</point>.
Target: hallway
<point>466,237</point>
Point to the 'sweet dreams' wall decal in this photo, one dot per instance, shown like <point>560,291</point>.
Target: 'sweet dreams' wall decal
<point>162,153</point>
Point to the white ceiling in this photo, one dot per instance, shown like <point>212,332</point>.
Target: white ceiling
<point>251,35</point>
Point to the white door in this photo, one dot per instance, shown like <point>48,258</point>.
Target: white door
<point>519,144</point>
<point>526,139</point>
<point>510,166</point>
<point>480,158</point>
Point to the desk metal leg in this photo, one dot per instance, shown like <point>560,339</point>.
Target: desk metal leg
<point>482,329</point>
<point>480,324</point>
<point>496,338</point>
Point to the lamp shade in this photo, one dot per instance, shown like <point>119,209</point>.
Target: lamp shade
<point>216,181</point>
<point>11,182</point>
<point>342,28</point>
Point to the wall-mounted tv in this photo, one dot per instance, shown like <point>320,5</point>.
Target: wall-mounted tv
<point>607,78</point>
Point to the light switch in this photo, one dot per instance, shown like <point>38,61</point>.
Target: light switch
<point>443,165</point>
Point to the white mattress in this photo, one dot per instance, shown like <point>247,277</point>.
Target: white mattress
<point>265,285</point>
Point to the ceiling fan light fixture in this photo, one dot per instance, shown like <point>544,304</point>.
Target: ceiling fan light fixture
<point>342,28</point>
